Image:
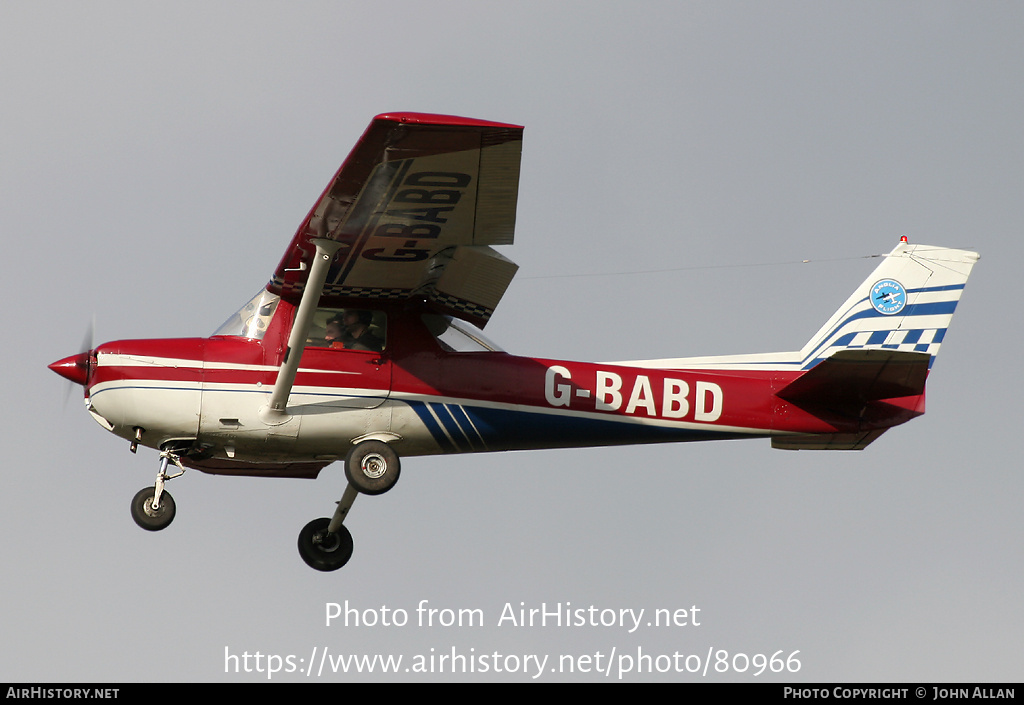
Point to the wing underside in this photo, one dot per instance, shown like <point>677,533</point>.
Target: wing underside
<point>417,206</point>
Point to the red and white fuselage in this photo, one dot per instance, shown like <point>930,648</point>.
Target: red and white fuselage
<point>362,347</point>
<point>423,397</point>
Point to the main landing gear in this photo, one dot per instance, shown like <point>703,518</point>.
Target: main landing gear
<point>153,507</point>
<point>371,467</point>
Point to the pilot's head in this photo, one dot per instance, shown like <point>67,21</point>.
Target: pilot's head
<point>334,330</point>
<point>355,316</point>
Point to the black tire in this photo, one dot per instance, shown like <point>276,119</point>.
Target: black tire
<point>372,467</point>
<point>323,551</point>
<point>142,509</point>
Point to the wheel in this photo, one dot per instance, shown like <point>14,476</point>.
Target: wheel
<point>323,551</point>
<point>372,467</point>
<point>144,514</point>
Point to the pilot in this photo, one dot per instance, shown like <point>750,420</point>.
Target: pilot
<point>350,329</point>
<point>335,333</point>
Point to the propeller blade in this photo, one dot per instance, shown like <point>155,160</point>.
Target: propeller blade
<point>88,341</point>
<point>75,369</point>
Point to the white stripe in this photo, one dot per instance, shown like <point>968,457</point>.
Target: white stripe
<point>122,360</point>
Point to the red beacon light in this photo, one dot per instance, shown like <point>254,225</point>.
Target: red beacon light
<point>903,238</point>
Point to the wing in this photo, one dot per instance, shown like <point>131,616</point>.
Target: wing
<point>416,207</point>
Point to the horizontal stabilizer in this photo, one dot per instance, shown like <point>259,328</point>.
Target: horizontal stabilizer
<point>873,389</point>
<point>827,441</point>
<point>850,378</point>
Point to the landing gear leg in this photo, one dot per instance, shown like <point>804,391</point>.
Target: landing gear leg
<point>153,507</point>
<point>326,544</point>
<point>371,467</point>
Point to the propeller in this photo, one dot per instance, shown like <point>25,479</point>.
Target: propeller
<point>75,368</point>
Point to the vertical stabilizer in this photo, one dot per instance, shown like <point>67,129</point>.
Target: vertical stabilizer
<point>906,304</point>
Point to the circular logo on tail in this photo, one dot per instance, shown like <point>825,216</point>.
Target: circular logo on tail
<point>888,296</point>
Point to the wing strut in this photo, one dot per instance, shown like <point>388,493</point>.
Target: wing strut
<point>274,413</point>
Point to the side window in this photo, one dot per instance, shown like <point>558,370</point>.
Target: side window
<point>348,329</point>
<point>454,335</point>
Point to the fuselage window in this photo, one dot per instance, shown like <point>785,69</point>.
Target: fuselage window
<point>458,336</point>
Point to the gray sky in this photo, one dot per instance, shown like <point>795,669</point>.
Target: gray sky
<point>158,157</point>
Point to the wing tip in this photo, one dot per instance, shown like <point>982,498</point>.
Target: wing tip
<point>436,119</point>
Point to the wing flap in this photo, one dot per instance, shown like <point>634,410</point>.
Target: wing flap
<point>472,283</point>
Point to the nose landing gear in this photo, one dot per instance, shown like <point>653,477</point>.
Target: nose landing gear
<point>153,507</point>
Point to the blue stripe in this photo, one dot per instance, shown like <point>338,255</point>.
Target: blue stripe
<point>912,336</point>
<point>473,437</point>
<point>926,309</point>
<point>139,386</point>
<point>435,430</point>
<point>451,424</point>
<point>505,429</point>
<point>929,309</point>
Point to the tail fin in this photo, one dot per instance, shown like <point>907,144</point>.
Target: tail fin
<point>864,370</point>
<point>906,305</point>
<point>869,363</point>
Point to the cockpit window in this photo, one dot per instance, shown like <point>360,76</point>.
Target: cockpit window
<point>251,320</point>
<point>458,336</point>
<point>348,329</point>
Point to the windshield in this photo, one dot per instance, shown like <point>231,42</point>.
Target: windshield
<point>251,320</point>
<point>458,336</point>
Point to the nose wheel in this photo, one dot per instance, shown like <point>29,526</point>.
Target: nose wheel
<point>152,515</point>
<point>153,507</point>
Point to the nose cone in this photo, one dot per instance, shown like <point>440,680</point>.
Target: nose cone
<point>74,368</point>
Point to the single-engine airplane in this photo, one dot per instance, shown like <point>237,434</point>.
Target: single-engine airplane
<point>365,346</point>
